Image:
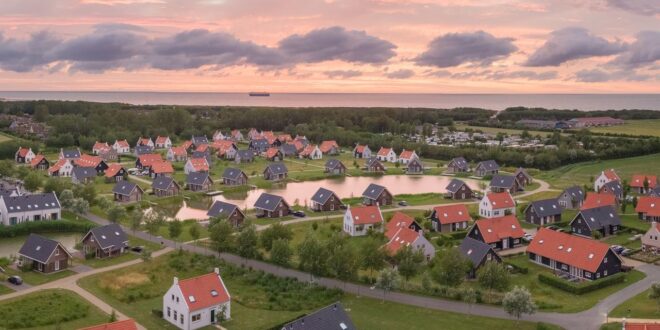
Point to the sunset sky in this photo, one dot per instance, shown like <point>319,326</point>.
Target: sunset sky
<point>388,46</point>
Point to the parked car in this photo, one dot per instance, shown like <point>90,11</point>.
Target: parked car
<point>528,237</point>
<point>15,280</point>
<point>403,203</point>
<point>617,248</point>
<point>137,249</point>
<point>299,214</point>
<point>626,252</point>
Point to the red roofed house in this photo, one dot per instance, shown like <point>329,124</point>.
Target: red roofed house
<point>330,147</point>
<point>90,161</point>
<point>115,172</point>
<point>225,148</point>
<point>362,151</point>
<point>145,142</point>
<point>177,154</point>
<point>450,218</point>
<point>579,257</point>
<point>651,240</point>
<point>63,167</point>
<point>311,151</point>
<point>118,325</point>
<point>122,147</point>
<point>197,302</point>
<point>274,154</point>
<point>196,165</point>
<point>146,160</point>
<point>400,220</point>
<point>386,155</point>
<point>497,205</point>
<point>407,156</point>
<point>605,177</point>
<point>163,142</point>
<point>648,208</point>
<point>640,326</point>
<point>594,200</point>
<point>500,233</point>
<point>161,168</point>
<point>188,145</point>
<point>236,135</point>
<point>637,184</point>
<point>404,236</point>
<point>359,219</point>
<point>40,162</point>
<point>100,147</point>
<point>24,155</point>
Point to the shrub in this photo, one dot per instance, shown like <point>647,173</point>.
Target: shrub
<point>518,268</point>
<point>26,228</point>
<point>157,312</point>
<point>581,288</point>
<point>458,235</point>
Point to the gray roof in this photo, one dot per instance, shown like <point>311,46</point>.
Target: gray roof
<point>454,185</point>
<point>654,192</point>
<point>35,202</point>
<point>474,250</point>
<point>268,202</point>
<point>110,236</point>
<point>84,172</point>
<point>415,161</point>
<point>288,149</point>
<point>372,162</point>
<point>332,317</point>
<point>576,193</point>
<point>599,217</point>
<point>197,140</point>
<point>546,207</point>
<point>523,171</point>
<point>197,178</point>
<point>277,168</point>
<point>221,209</point>
<point>245,154</point>
<point>322,195</point>
<point>162,182</point>
<point>489,165</point>
<point>143,150</point>
<point>373,191</point>
<point>261,144</point>
<point>332,163</point>
<point>232,173</point>
<point>615,187</point>
<point>39,248</point>
<point>502,181</point>
<point>71,153</point>
<point>124,187</point>
<point>460,162</point>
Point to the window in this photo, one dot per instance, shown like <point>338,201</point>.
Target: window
<point>605,260</point>
<point>177,299</point>
<point>605,272</point>
<point>181,319</point>
<point>169,312</point>
<point>57,252</point>
<point>196,317</point>
<point>172,297</point>
<point>175,315</point>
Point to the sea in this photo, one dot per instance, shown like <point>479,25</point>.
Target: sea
<point>397,100</point>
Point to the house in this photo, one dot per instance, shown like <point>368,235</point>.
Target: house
<point>501,183</point>
<point>188,145</point>
<point>358,220</point>
<point>126,191</point>
<point>122,147</point>
<point>226,211</point>
<point>109,155</point>
<point>458,165</point>
<point>244,156</point>
<point>332,317</point>
<point>571,198</point>
<point>63,168</point>
<point>613,187</point>
<point>401,220</point>
<point>487,167</point>
<point>177,154</point>
<point>597,200</point>
<point>145,161</point>
<point>40,163</point>
<point>259,145</point>
<point>164,186</point>
<point>404,237</point>
<point>450,218</point>
<point>274,154</point>
<point>407,156</point>
<point>573,255</point>
<point>24,155</point>
<point>161,168</point>
<point>196,165</point>
<point>197,302</point>
<point>335,167</point>
<point>284,138</point>
<point>478,253</point>
<point>218,136</point>
<point>543,212</point>
<point>82,175</point>
<point>236,135</point>
<point>143,150</point>
<point>199,181</point>
<point>163,142</point>
<point>500,233</point>
<point>70,154</point>
<point>93,162</point>
<point>648,208</point>
<point>276,171</point>
<point>523,177</point>
<point>128,324</point>
<point>145,141</point>
<point>457,189</point>
<point>311,151</point>
<point>330,147</point>
<point>253,134</point>
<point>115,172</point>
<point>496,205</point>
<point>652,325</point>
<point>271,206</point>
<point>603,219</point>
<point>654,192</point>
<point>105,241</point>
<point>605,177</point>
<point>414,166</point>
<point>289,150</point>
<point>234,177</point>
<point>362,151</point>
<point>100,147</point>
<point>386,155</point>
<point>225,149</point>
<point>642,183</point>
<point>325,200</point>
<point>25,208</point>
<point>374,165</point>
<point>651,239</point>
<point>44,254</point>
<point>376,195</point>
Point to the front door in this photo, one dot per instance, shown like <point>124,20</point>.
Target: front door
<point>505,243</point>
<point>57,265</point>
<point>213,316</point>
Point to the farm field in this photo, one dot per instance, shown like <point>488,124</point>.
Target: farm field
<point>633,127</point>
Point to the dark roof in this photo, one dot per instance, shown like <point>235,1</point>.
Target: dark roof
<point>124,187</point>
<point>288,149</point>
<point>109,236</point>
<point>332,317</point>
<point>35,202</point>
<point>599,217</point>
<point>546,207</point>
<point>277,168</point>
<point>372,162</point>
<point>143,149</point>
<point>614,187</point>
<point>71,153</point>
<point>576,193</point>
<point>502,181</point>
<point>523,171</point>
<point>221,209</point>
<point>332,163</point>
<point>322,195</point>
<point>373,191</point>
<point>654,192</point>
<point>474,250</point>
<point>415,161</point>
<point>197,140</point>
<point>454,185</point>
<point>39,248</point>
<point>268,202</point>
<point>162,182</point>
<point>84,172</point>
<point>197,178</point>
<point>460,162</point>
<point>489,165</point>
<point>259,144</point>
<point>245,154</point>
<point>232,173</point>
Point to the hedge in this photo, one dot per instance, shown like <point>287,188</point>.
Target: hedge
<point>581,288</point>
<point>518,268</point>
<point>44,227</point>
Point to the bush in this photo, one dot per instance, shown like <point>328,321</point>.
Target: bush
<point>518,268</point>
<point>157,312</point>
<point>581,288</point>
<point>458,235</point>
<point>44,227</point>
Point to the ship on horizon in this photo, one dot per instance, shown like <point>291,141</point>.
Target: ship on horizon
<point>259,94</point>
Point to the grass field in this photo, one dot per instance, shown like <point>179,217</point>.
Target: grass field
<point>640,306</point>
<point>633,127</point>
<point>5,137</point>
<point>495,130</point>
<point>4,289</point>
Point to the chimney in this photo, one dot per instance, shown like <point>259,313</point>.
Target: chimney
<point>216,270</point>
<point>176,280</point>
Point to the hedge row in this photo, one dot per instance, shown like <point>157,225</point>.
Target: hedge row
<point>44,227</point>
<point>581,288</point>
<point>518,268</point>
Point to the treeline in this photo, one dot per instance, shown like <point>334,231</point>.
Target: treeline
<point>518,113</point>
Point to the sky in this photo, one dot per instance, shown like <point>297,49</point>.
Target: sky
<point>354,46</point>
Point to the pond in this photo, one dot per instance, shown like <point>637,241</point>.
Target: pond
<point>10,246</point>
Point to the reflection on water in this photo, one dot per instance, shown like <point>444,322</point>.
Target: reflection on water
<point>10,246</point>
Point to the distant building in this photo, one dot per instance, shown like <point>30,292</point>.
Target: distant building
<point>457,189</point>
<point>571,198</point>
<point>458,165</point>
<point>605,177</point>
<point>450,218</point>
<point>603,219</point>
<point>271,206</point>
<point>497,205</point>
<point>376,195</point>
<point>335,167</point>
<point>487,167</point>
<point>164,186</point>
<point>651,239</point>
<point>325,200</point>
<point>362,151</point>
<point>359,220</point>
<point>26,208</point>
<point>594,122</point>
<point>126,191</point>
<point>226,211</point>
<point>478,253</point>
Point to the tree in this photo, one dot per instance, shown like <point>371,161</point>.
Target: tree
<point>493,276</point>
<point>113,317</point>
<point>275,231</point>
<point>79,206</point>
<point>388,280</point>
<point>136,219</point>
<point>194,231</point>
<point>104,203</point>
<point>7,168</point>
<point>66,198</point>
<point>409,262</point>
<point>312,255</point>
<point>32,181</point>
<point>115,213</point>
<point>175,227</point>
<point>634,202</point>
<point>88,192</point>
<point>655,293</point>
<point>450,268</point>
<point>373,257</point>
<point>281,252</point>
<point>55,184</point>
<point>518,302</point>
<point>247,241</point>
<point>624,205</point>
<point>343,260</point>
<point>470,298</point>
<point>145,255</point>
<point>222,235</point>
<point>152,222</point>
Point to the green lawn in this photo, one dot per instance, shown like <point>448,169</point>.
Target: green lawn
<point>5,137</point>
<point>49,309</point>
<point>132,241</point>
<point>36,278</point>
<point>632,221</point>
<point>611,326</point>
<point>4,289</point>
<point>640,306</point>
<point>632,127</point>
<point>623,239</point>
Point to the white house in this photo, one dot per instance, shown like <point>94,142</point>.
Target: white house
<point>651,240</point>
<point>407,156</point>
<point>386,155</point>
<point>362,151</point>
<point>197,302</point>
<point>604,178</point>
<point>495,205</point>
<point>25,208</point>
<point>63,167</point>
<point>24,155</point>
<point>218,136</point>
<point>196,165</point>
<point>121,147</point>
<point>311,152</point>
<point>236,135</point>
<point>358,220</point>
<point>163,142</point>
